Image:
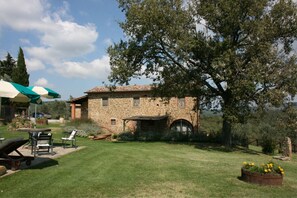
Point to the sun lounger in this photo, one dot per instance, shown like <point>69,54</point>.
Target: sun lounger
<point>10,145</point>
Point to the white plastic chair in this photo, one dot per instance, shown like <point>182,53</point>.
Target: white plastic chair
<point>70,138</point>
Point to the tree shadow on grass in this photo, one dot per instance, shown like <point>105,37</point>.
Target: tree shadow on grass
<point>217,147</point>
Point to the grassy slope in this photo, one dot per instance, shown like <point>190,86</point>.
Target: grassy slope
<point>105,169</point>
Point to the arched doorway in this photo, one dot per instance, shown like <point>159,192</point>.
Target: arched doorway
<point>182,126</point>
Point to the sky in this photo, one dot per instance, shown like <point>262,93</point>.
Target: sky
<point>64,41</point>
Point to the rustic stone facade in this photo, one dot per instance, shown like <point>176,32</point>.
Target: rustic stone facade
<point>110,108</point>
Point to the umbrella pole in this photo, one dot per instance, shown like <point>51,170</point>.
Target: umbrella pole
<point>35,114</point>
<point>0,106</point>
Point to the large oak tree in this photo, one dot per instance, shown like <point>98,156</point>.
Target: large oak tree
<point>238,52</point>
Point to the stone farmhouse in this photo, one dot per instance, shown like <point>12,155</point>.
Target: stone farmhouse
<point>133,108</point>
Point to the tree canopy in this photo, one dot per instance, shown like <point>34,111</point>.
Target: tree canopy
<point>237,52</point>
<point>7,67</point>
<point>20,74</point>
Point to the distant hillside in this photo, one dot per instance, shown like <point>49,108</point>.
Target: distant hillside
<point>208,113</point>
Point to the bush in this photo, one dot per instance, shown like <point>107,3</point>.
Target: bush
<point>148,136</point>
<point>269,138</point>
<point>42,121</point>
<point>19,122</point>
<point>84,127</point>
<point>126,136</point>
<point>174,136</point>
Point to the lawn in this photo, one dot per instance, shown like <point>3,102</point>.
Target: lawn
<point>139,169</point>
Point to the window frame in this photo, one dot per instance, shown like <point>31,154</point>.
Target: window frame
<point>181,102</point>
<point>113,121</point>
<point>105,102</point>
<point>136,101</point>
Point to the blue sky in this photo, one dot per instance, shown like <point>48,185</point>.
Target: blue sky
<point>64,41</point>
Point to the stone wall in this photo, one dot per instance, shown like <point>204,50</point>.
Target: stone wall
<point>120,106</point>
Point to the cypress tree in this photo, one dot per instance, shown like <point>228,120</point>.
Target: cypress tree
<point>20,74</point>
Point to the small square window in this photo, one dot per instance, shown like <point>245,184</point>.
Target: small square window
<point>181,103</point>
<point>104,101</point>
<point>136,102</point>
<point>113,121</point>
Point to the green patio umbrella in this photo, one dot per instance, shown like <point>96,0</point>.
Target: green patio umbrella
<point>44,92</point>
<point>17,93</point>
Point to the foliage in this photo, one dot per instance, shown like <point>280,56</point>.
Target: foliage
<point>268,168</point>
<point>84,127</point>
<point>210,124</point>
<point>19,122</point>
<point>268,128</point>
<point>126,136</point>
<point>236,52</point>
<point>19,73</point>
<point>269,138</point>
<point>55,108</point>
<point>6,67</point>
<point>114,136</point>
<point>174,136</point>
<point>42,121</point>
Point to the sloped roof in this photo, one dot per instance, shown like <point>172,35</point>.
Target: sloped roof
<point>129,88</point>
<point>79,100</point>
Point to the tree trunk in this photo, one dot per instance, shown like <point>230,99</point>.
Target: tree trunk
<point>226,133</point>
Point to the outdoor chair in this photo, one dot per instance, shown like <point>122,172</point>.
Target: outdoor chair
<point>70,138</point>
<point>43,143</point>
<point>10,145</point>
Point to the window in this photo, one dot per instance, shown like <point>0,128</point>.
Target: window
<point>182,126</point>
<point>181,103</point>
<point>104,101</point>
<point>113,121</point>
<point>136,102</point>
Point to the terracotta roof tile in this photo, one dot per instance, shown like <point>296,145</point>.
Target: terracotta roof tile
<point>129,88</point>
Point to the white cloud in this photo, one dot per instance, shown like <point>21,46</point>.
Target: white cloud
<point>34,64</point>
<point>25,41</point>
<point>43,82</point>
<point>61,39</point>
<point>65,40</point>
<point>98,68</point>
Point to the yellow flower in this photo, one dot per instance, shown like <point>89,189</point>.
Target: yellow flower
<point>244,163</point>
<point>265,170</point>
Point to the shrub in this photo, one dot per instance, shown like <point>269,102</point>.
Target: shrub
<point>269,138</point>
<point>174,136</point>
<point>114,136</point>
<point>84,127</point>
<point>42,121</point>
<point>126,136</point>
<point>19,122</point>
<point>148,136</point>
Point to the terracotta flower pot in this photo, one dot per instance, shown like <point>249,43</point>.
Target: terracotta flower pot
<point>262,179</point>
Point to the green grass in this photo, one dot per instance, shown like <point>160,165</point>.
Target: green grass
<point>138,169</point>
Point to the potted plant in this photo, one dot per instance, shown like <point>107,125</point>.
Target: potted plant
<point>266,174</point>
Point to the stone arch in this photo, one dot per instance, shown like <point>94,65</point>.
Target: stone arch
<point>183,126</point>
